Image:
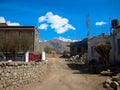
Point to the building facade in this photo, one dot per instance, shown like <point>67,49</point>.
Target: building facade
<point>115,43</point>
<point>113,39</point>
<point>25,37</point>
<point>79,47</point>
<point>101,39</point>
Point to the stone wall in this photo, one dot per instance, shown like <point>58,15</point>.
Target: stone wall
<point>15,74</point>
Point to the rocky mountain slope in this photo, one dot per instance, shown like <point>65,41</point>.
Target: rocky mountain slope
<point>57,45</point>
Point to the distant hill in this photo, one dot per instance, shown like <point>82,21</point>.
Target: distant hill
<point>57,45</point>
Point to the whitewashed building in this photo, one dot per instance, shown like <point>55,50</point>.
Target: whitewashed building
<point>101,39</point>
<point>115,44</point>
<point>113,39</point>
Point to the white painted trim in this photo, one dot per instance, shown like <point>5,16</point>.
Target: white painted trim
<point>27,56</point>
<point>43,55</point>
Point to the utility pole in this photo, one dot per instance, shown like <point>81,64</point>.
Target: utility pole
<point>88,35</point>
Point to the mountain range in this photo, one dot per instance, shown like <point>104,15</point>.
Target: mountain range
<point>57,44</point>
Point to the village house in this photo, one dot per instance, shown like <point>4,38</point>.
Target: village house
<point>113,39</point>
<point>101,39</point>
<point>25,35</point>
<point>115,42</point>
<point>79,47</point>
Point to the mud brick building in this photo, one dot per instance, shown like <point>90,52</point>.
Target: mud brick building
<point>19,33</point>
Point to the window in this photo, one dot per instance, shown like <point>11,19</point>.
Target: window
<point>118,41</point>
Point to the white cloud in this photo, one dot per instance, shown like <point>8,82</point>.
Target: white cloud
<point>100,23</point>
<point>12,23</point>
<point>41,19</point>
<point>56,22</point>
<point>43,26</point>
<point>43,41</point>
<point>2,19</point>
<point>66,39</point>
<point>9,23</point>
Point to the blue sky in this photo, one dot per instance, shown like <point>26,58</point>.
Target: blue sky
<point>61,18</point>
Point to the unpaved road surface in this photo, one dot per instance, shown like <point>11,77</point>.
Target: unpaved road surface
<point>66,76</point>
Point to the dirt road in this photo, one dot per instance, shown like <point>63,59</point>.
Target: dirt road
<point>66,76</point>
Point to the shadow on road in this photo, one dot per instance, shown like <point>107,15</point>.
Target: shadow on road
<point>79,68</point>
<point>88,69</point>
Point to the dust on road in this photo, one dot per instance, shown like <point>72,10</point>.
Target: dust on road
<point>62,77</point>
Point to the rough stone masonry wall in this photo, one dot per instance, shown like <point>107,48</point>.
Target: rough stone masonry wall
<point>15,74</point>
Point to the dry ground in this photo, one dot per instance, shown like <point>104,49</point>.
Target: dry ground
<point>66,76</point>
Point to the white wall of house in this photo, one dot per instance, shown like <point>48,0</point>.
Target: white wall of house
<point>115,51</point>
<point>115,44</point>
<point>93,42</point>
<point>117,47</point>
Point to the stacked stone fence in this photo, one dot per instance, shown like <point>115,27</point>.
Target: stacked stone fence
<point>15,74</point>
